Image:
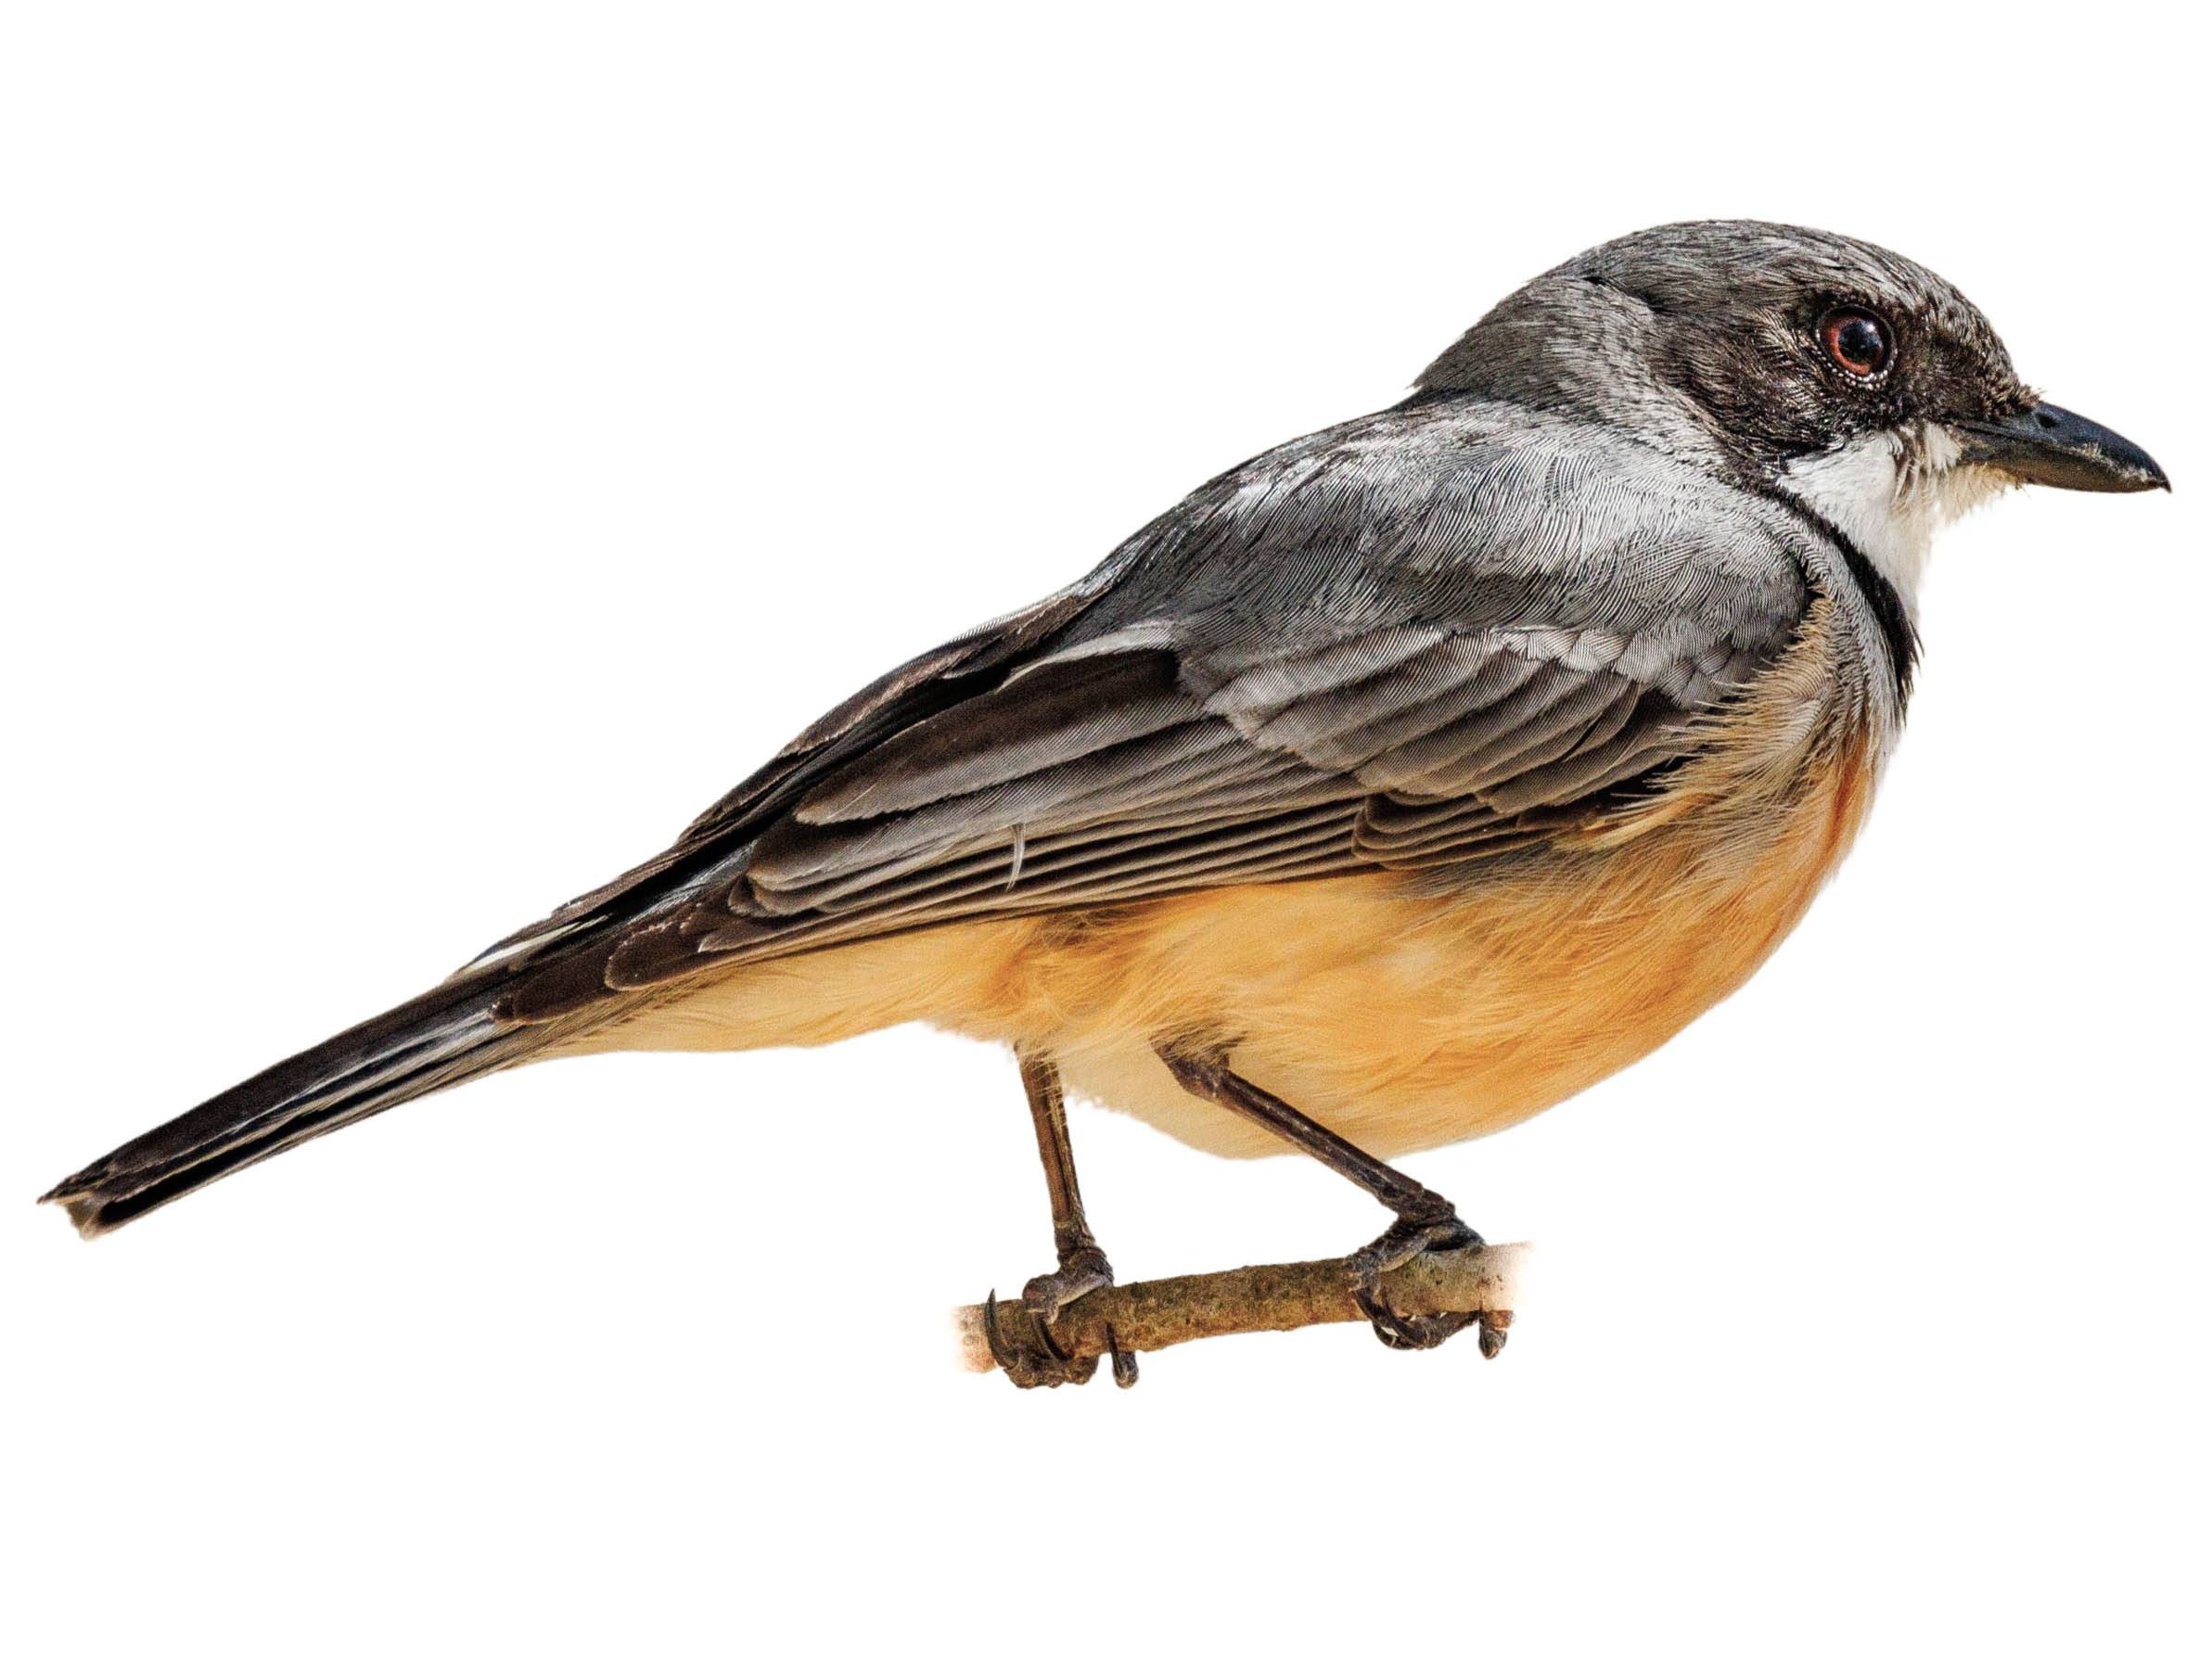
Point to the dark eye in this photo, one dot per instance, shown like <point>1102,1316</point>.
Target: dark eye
<point>1856,341</point>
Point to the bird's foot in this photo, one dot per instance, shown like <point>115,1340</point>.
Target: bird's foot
<point>1406,1240</point>
<point>1021,1336</point>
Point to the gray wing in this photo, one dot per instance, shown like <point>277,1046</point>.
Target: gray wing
<point>1397,643</point>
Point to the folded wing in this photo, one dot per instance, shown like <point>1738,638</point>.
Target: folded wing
<point>1397,644</point>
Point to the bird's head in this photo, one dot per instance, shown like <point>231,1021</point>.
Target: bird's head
<point>1860,383</point>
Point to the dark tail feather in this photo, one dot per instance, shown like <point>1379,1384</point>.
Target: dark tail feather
<point>442,1038</point>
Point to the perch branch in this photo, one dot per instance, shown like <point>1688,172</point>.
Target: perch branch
<point>1159,1313</point>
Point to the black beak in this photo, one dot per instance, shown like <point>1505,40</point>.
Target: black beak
<point>2050,445</point>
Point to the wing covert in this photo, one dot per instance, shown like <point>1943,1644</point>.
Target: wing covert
<point>1395,645</point>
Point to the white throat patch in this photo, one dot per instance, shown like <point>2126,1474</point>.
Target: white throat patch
<point>1889,491</point>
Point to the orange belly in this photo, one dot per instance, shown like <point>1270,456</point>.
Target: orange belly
<point>1401,1017</point>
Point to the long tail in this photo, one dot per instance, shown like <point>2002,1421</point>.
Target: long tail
<point>441,1038</point>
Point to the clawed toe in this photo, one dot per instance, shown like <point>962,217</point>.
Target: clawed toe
<point>1411,1331</point>
<point>1022,1342</point>
<point>1417,1331</point>
<point>1022,1339</point>
<point>1082,1273</point>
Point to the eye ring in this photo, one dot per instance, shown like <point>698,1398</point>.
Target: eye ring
<point>1856,340</point>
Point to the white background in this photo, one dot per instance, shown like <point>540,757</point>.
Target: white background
<point>447,446</point>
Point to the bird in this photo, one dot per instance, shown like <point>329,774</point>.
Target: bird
<point>1394,785</point>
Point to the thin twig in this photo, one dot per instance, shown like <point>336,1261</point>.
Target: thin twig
<point>1160,1313</point>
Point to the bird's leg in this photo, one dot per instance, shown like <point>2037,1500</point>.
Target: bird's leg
<point>1022,1341</point>
<point>1427,1220</point>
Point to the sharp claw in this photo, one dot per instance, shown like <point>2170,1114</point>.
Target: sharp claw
<point>1042,1325</point>
<point>1000,1352</point>
<point>1125,1362</point>
<point>1039,1359</point>
<point>1404,1240</point>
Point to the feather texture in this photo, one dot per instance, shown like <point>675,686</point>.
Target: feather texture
<point>1384,645</point>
